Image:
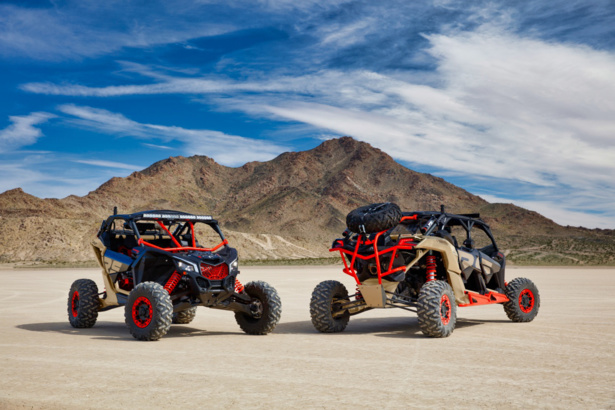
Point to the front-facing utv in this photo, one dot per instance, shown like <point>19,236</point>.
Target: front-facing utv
<point>157,265</point>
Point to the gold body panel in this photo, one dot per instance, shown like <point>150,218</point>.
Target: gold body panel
<point>107,267</point>
<point>449,258</point>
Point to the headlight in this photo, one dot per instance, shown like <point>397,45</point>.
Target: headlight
<point>235,264</point>
<point>188,267</point>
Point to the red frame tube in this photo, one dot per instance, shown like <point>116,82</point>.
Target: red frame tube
<point>476,299</point>
<point>183,248</point>
<point>351,271</point>
<point>175,241</point>
<point>179,247</point>
<point>491,298</point>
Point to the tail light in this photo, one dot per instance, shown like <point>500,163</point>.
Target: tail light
<point>214,272</point>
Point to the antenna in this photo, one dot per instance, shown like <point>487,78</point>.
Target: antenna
<point>442,208</point>
<point>115,210</point>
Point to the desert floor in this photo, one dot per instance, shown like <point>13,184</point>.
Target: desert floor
<point>563,359</point>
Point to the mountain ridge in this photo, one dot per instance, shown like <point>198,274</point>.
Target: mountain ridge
<point>298,201</point>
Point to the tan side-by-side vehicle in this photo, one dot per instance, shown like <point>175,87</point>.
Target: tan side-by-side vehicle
<point>426,262</point>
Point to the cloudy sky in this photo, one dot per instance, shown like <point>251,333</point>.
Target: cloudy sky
<point>513,101</point>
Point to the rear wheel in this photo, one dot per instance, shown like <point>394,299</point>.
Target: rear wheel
<point>266,309</point>
<point>437,310</point>
<point>524,300</point>
<point>83,303</point>
<point>325,307</point>
<point>148,311</point>
<point>184,317</point>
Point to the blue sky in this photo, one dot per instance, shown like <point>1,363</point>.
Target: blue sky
<point>513,101</point>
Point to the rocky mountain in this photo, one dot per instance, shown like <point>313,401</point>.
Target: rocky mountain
<point>290,207</point>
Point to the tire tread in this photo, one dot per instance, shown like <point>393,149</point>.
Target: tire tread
<point>272,309</point>
<point>163,311</point>
<point>384,218</point>
<point>321,306</point>
<point>88,303</point>
<point>428,309</point>
<point>184,317</point>
<point>512,309</point>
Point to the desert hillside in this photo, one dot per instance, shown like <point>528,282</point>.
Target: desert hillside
<point>290,207</point>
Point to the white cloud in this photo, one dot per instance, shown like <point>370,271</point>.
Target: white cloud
<point>109,164</point>
<point>558,212</point>
<point>45,177</point>
<point>156,146</point>
<point>231,150</point>
<point>74,30</point>
<point>344,35</point>
<point>22,132</point>
<point>499,106</point>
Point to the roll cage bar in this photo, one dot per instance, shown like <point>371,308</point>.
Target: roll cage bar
<point>186,226</point>
<point>440,220</point>
<point>435,222</point>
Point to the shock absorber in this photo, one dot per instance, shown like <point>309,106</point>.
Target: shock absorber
<point>172,282</point>
<point>238,286</point>
<point>358,294</point>
<point>431,268</point>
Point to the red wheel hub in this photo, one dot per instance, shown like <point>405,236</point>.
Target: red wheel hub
<point>142,312</point>
<point>74,304</point>
<point>526,301</point>
<point>445,310</point>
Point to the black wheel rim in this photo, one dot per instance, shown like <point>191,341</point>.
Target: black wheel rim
<point>256,308</point>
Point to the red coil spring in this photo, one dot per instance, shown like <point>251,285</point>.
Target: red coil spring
<point>238,286</point>
<point>172,282</point>
<point>431,268</point>
<point>358,294</point>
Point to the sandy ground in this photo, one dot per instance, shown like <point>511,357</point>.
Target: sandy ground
<point>564,359</point>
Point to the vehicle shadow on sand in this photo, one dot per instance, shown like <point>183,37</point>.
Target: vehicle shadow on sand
<point>382,327</point>
<point>115,331</point>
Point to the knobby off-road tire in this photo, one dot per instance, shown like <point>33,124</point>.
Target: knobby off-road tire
<point>374,218</point>
<point>326,299</point>
<point>524,300</point>
<point>437,310</point>
<point>148,311</point>
<point>184,317</point>
<point>83,303</point>
<point>268,309</point>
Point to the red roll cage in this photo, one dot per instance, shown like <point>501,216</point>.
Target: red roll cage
<point>179,247</point>
<point>363,239</point>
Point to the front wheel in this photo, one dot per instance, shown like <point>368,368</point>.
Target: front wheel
<point>148,311</point>
<point>83,303</point>
<point>437,310</point>
<point>265,308</point>
<point>524,300</point>
<point>326,307</point>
